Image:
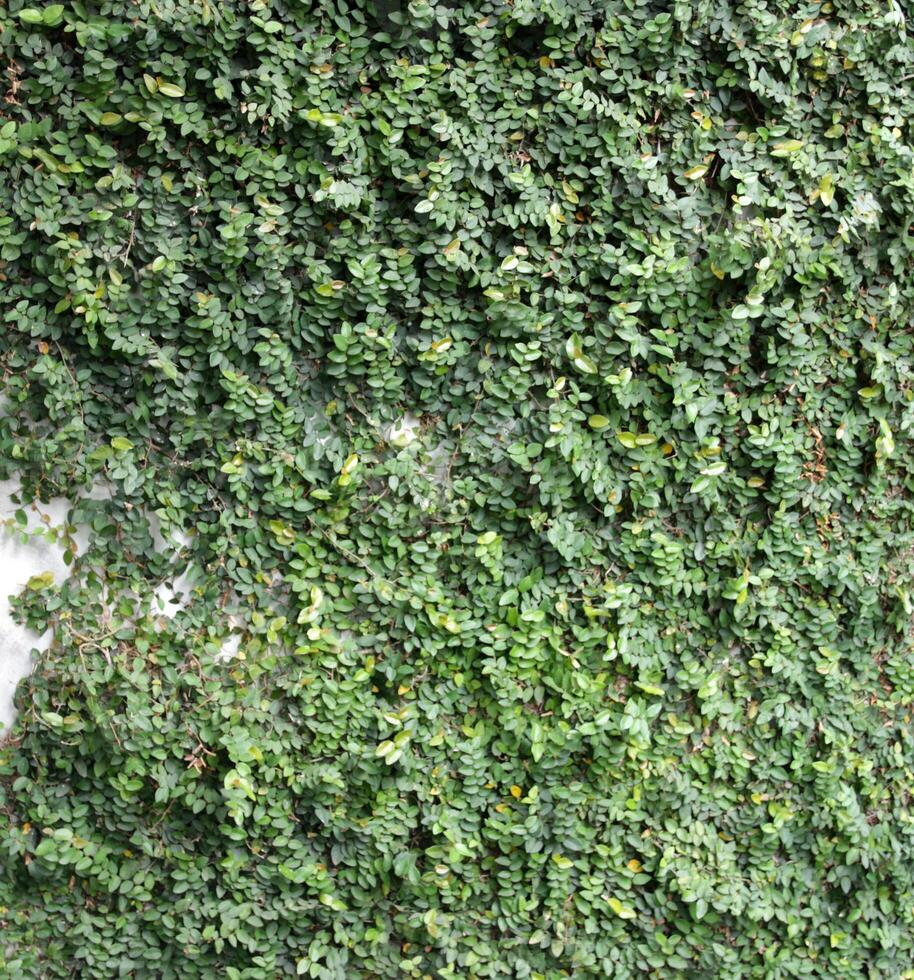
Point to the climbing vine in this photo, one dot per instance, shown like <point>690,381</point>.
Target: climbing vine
<point>521,392</point>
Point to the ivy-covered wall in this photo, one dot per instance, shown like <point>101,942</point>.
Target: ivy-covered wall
<point>531,383</point>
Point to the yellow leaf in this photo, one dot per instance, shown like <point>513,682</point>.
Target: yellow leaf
<point>623,911</point>
<point>786,147</point>
<point>171,90</point>
<point>634,865</point>
<point>516,792</point>
<point>696,173</point>
<point>38,582</point>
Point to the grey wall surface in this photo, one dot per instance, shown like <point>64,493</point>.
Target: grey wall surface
<point>19,561</point>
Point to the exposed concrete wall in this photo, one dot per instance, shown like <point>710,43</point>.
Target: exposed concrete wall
<point>19,561</point>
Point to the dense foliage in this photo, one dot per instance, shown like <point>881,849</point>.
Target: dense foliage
<point>531,383</point>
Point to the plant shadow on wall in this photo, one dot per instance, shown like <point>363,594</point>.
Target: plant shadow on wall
<point>506,412</point>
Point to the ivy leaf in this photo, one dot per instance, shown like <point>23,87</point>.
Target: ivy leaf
<point>622,910</point>
<point>585,364</point>
<point>40,582</point>
<point>332,902</point>
<point>786,148</point>
<point>170,89</point>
